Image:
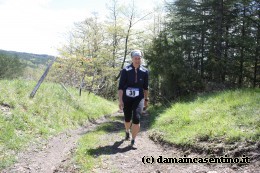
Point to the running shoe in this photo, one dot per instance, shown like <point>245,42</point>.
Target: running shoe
<point>127,135</point>
<point>132,142</point>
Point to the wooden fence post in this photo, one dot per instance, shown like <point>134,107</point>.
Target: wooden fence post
<point>42,78</point>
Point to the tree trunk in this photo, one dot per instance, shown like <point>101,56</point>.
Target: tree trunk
<point>126,45</point>
<point>257,54</point>
<point>219,34</point>
<point>202,51</point>
<point>242,50</point>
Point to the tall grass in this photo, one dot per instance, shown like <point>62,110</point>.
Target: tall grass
<point>51,111</point>
<point>228,116</point>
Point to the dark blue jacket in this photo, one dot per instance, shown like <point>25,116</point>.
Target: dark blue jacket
<point>129,78</point>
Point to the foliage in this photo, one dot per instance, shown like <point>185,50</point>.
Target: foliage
<point>10,66</point>
<point>23,65</point>
<point>97,50</point>
<point>29,59</point>
<point>207,41</point>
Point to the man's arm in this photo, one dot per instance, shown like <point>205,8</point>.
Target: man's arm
<point>145,94</point>
<point>122,82</point>
<point>146,99</point>
<point>120,98</point>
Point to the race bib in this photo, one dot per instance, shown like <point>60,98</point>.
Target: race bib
<point>132,92</point>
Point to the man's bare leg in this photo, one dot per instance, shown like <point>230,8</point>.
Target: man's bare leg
<point>127,128</point>
<point>135,130</point>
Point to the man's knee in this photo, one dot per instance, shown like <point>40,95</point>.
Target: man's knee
<point>127,120</point>
<point>136,121</point>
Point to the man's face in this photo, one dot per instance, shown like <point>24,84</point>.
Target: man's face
<point>136,60</point>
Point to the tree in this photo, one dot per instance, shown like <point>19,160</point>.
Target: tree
<point>10,66</point>
<point>132,16</point>
<point>97,50</point>
<point>211,42</point>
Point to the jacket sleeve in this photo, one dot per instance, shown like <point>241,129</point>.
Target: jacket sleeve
<point>123,80</point>
<point>146,81</point>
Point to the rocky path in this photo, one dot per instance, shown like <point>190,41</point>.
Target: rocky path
<point>47,156</point>
<point>116,154</point>
<point>123,158</point>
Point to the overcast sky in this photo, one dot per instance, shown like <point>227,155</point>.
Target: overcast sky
<point>38,26</point>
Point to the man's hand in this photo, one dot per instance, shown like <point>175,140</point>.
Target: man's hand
<point>121,104</point>
<point>146,99</point>
<point>146,104</point>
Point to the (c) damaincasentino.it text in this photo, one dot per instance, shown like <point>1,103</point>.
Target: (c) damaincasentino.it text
<point>185,159</point>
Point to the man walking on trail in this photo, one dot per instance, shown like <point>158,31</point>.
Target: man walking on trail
<point>133,94</point>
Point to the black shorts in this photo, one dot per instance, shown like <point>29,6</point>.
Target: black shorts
<point>133,110</point>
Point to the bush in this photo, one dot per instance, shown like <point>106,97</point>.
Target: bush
<point>10,66</point>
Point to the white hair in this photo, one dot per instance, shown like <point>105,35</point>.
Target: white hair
<point>136,53</point>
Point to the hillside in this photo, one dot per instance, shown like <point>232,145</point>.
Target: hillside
<point>212,126</point>
<point>24,121</point>
<point>209,127</point>
<point>33,60</point>
<point>218,123</point>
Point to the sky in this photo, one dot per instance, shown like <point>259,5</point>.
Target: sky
<point>40,26</point>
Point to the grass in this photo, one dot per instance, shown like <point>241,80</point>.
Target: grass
<point>51,111</point>
<point>229,116</point>
<point>84,159</point>
<point>94,146</point>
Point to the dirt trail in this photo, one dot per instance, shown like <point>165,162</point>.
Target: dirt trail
<point>49,155</point>
<point>116,156</point>
<point>122,158</point>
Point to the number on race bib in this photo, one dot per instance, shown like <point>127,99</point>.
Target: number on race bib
<point>132,92</point>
